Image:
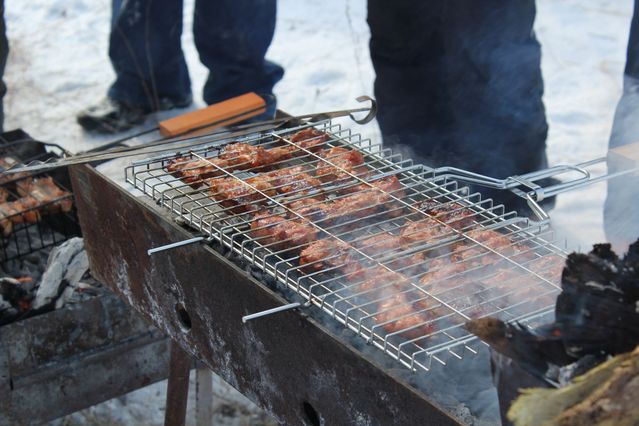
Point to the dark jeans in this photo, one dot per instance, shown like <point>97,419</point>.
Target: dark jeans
<point>231,37</point>
<point>459,83</point>
<point>4,53</point>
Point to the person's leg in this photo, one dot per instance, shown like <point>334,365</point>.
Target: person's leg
<point>459,83</point>
<point>4,53</point>
<point>493,70</point>
<point>407,52</point>
<point>232,37</point>
<point>145,50</point>
<point>621,220</point>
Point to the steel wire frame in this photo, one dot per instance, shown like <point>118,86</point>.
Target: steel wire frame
<point>329,291</point>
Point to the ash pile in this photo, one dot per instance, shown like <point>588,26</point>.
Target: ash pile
<point>45,280</point>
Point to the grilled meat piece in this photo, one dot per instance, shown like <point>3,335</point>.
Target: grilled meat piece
<point>294,181</point>
<point>235,156</point>
<point>356,206</point>
<point>549,267</point>
<point>408,319</point>
<point>425,231</point>
<point>501,245</point>
<point>23,210</point>
<point>444,275</point>
<point>279,233</point>
<point>387,245</point>
<point>338,164</point>
<point>308,139</point>
<point>332,253</point>
<point>386,189</point>
<point>244,195</point>
<point>48,195</point>
<point>399,308</point>
<point>328,254</point>
<point>4,194</point>
<point>452,214</point>
<point>243,156</point>
<point>196,171</point>
<point>241,196</point>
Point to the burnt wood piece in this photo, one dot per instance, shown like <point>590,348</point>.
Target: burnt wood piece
<point>597,308</point>
<point>63,361</point>
<point>595,314</point>
<point>287,363</point>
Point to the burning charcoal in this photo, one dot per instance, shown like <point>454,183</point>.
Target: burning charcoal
<point>12,291</point>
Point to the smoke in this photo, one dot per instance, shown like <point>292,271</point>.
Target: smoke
<point>621,215</point>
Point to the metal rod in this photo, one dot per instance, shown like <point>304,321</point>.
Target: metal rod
<point>271,311</point>
<point>175,245</point>
<point>164,144</point>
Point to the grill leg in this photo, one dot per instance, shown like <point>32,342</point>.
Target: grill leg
<point>203,397</point>
<point>178,387</point>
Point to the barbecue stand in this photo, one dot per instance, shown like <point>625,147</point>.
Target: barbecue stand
<point>63,361</point>
<point>288,364</point>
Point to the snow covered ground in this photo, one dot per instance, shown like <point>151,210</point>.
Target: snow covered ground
<point>58,65</point>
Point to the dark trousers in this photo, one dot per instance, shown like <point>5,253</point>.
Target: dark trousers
<point>459,83</point>
<point>231,37</point>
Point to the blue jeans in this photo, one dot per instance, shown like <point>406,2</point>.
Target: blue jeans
<point>231,37</point>
<point>458,83</point>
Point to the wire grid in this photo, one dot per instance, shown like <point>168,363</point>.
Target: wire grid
<point>53,226</point>
<point>338,297</point>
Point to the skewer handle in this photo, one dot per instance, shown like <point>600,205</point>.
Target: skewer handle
<point>174,245</point>
<point>217,115</point>
<point>271,311</point>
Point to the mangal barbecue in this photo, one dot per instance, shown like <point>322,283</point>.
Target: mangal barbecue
<point>329,279</point>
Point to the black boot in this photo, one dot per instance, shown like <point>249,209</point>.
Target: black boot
<point>112,116</point>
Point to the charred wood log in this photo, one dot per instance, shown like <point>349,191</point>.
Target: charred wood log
<point>595,315</point>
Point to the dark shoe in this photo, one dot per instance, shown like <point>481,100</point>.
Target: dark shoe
<point>112,116</point>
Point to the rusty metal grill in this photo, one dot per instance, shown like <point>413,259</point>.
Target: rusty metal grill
<point>414,312</point>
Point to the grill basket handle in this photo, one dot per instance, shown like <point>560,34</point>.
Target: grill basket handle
<point>526,185</point>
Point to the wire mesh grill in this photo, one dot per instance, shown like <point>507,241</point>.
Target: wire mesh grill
<point>36,210</point>
<point>390,249</point>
